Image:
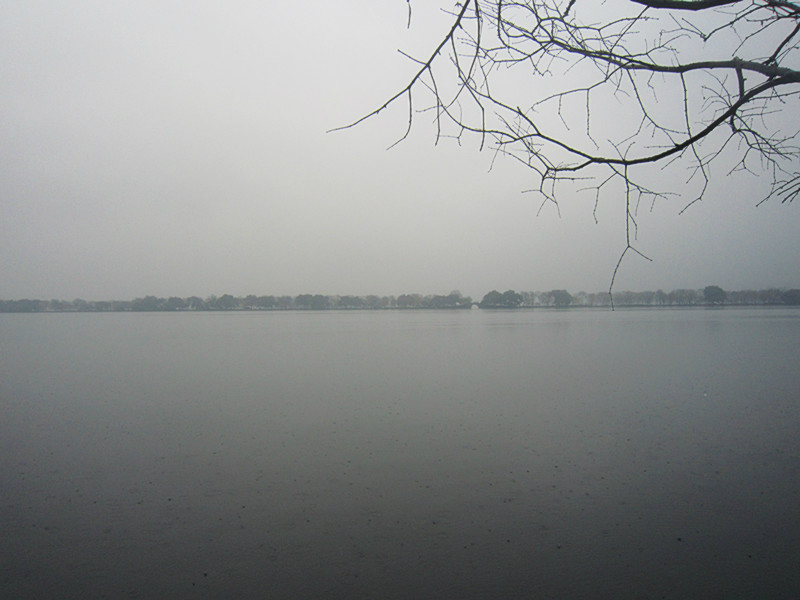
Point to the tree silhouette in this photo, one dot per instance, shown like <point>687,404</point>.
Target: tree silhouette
<point>603,92</point>
<point>713,294</point>
<point>560,298</point>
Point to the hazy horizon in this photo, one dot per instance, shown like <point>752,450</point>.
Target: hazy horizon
<point>178,148</point>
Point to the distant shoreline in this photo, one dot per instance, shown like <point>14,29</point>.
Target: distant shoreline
<point>711,296</point>
<point>575,308</point>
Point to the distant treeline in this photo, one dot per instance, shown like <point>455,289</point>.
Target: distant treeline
<point>252,302</point>
<point>709,296</point>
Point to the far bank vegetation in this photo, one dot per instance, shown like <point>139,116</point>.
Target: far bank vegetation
<point>711,295</point>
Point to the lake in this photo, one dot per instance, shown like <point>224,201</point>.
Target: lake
<point>401,454</point>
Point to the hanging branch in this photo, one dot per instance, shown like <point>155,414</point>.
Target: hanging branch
<point>727,73</point>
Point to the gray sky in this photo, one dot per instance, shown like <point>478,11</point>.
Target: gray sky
<point>179,148</point>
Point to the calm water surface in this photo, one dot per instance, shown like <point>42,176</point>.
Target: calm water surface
<point>464,454</point>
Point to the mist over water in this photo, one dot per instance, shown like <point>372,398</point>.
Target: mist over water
<point>401,454</point>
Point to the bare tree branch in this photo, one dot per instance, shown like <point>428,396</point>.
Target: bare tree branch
<point>577,91</point>
<point>685,4</point>
<point>426,67</point>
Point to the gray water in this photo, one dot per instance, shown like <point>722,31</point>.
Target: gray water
<point>464,454</point>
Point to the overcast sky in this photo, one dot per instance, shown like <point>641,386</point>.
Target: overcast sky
<point>179,148</point>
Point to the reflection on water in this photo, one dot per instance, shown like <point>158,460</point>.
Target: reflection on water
<point>468,454</point>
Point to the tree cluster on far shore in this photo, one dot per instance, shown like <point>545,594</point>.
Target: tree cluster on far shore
<point>711,295</point>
